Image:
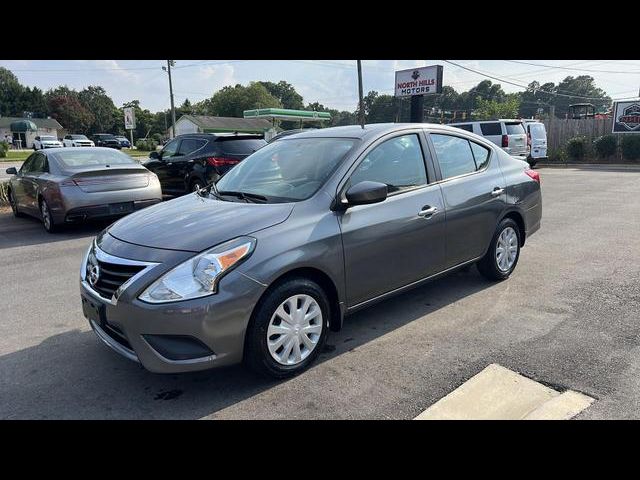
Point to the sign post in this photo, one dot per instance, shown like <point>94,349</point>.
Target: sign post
<point>130,121</point>
<point>417,82</point>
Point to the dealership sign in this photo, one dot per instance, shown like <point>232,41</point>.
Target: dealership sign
<point>419,81</point>
<point>626,117</point>
<point>129,118</point>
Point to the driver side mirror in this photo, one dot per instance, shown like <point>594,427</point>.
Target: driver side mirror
<point>11,171</point>
<point>366,192</point>
<point>155,155</point>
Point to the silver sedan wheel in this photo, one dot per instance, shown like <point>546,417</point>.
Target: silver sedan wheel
<point>46,216</point>
<point>294,330</point>
<point>507,249</point>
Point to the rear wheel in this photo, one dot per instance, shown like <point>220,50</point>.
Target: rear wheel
<point>503,253</point>
<point>47,218</point>
<point>289,329</point>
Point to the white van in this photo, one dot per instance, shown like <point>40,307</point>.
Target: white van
<point>537,135</point>
<point>508,134</point>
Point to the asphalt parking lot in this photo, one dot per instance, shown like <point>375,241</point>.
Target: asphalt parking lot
<point>568,317</point>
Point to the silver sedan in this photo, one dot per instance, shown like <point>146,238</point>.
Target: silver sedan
<point>66,185</point>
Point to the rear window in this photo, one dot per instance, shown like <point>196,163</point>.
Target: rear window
<point>468,128</point>
<point>537,130</point>
<point>81,157</point>
<point>242,146</point>
<point>77,137</point>
<point>490,128</point>
<point>514,128</point>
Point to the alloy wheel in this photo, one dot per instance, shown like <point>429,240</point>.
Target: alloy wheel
<point>46,216</point>
<point>295,329</point>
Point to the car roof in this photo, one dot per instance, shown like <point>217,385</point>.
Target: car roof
<point>213,136</point>
<point>370,130</point>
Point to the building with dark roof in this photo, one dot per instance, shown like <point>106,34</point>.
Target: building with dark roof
<point>22,130</point>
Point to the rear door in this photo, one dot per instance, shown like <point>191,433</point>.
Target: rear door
<point>474,192</point>
<point>190,152</point>
<point>538,139</point>
<point>517,138</point>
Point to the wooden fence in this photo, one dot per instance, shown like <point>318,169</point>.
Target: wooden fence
<point>559,131</point>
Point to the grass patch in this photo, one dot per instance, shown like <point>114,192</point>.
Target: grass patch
<point>21,155</point>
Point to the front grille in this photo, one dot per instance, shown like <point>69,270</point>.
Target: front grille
<point>112,276</point>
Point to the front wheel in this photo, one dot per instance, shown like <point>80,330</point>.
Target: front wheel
<point>503,253</point>
<point>288,330</point>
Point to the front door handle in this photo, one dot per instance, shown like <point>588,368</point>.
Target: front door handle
<point>427,211</point>
<point>497,191</point>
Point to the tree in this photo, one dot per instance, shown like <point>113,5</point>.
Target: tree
<point>581,86</point>
<point>10,91</point>
<point>286,93</point>
<point>378,108</point>
<point>233,101</point>
<point>144,119</point>
<point>70,113</point>
<point>493,109</point>
<point>107,117</point>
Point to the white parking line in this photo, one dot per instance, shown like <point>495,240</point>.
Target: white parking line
<point>497,393</point>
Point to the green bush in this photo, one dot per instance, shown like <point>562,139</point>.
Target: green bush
<point>146,144</point>
<point>630,147</point>
<point>605,146</point>
<point>157,137</point>
<point>4,148</point>
<point>576,148</point>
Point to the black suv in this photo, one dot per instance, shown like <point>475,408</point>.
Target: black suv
<point>106,140</point>
<point>192,161</point>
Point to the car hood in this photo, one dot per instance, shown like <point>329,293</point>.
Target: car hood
<point>193,223</point>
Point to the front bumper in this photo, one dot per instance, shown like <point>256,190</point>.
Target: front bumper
<point>161,336</point>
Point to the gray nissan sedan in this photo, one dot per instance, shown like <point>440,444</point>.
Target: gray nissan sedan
<point>66,185</point>
<point>261,265</point>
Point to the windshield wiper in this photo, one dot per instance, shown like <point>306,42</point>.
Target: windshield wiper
<point>244,195</point>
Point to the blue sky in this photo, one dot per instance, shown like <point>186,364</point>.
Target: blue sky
<point>330,82</point>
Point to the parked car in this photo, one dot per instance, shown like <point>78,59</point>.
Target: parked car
<point>46,141</point>
<point>77,141</point>
<point>68,185</point>
<point>191,161</point>
<point>259,269</point>
<point>286,133</point>
<point>106,140</point>
<point>124,142</point>
<point>537,139</point>
<point>508,134</point>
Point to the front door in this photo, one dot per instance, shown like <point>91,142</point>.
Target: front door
<point>393,243</point>
<point>164,168</point>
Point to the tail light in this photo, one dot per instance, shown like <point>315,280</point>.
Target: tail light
<point>528,139</point>
<point>222,161</point>
<point>505,141</point>
<point>535,176</point>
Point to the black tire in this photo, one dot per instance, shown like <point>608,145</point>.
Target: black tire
<point>196,184</point>
<point>256,353</point>
<point>14,205</point>
<point>532,162</point>
<point>488,265</point>
<point>50,226</point>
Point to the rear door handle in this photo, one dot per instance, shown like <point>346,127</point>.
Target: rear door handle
<point>427,211</point>
<point>497,191</point>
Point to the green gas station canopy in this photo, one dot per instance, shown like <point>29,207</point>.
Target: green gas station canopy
<point>23,126</point>
<point>287,114</point>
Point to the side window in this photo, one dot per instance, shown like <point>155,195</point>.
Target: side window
<point>26,166</point>
<point>190,145</point>
<point>454,155</point>
<point>170,149</point>
<point>468,128</point>
<point>37,165</point>
<point>491,128</point>
<point>480,154</point>
<point>398,162</point>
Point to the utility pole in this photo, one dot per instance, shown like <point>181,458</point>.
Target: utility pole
<point>361,102</point>
<point>171,63</point>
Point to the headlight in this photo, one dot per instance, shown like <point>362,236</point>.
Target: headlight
<point>199,276</point>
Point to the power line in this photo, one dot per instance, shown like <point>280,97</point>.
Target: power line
<point>571,68</point>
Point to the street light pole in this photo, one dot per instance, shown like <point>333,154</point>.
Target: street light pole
<point>360,93</point>
<point>171,63</point>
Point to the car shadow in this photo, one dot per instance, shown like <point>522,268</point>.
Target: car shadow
<point>18,232</point>
<point>72,375</point>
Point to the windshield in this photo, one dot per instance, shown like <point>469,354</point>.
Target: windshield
<point>80,157</point>
<point>47,138</point>
<point>78,137</point>
<point>288,170</point>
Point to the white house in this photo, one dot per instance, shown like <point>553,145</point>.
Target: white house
<point>26,129</point>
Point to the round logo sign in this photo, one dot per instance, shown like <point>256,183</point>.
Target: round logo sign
<point>94,275</point>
